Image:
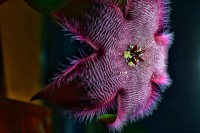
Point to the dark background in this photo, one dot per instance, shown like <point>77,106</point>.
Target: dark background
<point>179,110</point>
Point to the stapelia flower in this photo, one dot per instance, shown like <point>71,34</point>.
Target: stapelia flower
<point>127,72</point>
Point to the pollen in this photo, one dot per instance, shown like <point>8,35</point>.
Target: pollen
<point>133,55</point>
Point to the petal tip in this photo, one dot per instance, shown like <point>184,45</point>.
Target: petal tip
<point>37,96</point>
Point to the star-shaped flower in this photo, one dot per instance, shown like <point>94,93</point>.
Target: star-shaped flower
<point>127,71</point>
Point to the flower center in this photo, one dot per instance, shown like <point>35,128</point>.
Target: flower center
<point>133,55</point>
